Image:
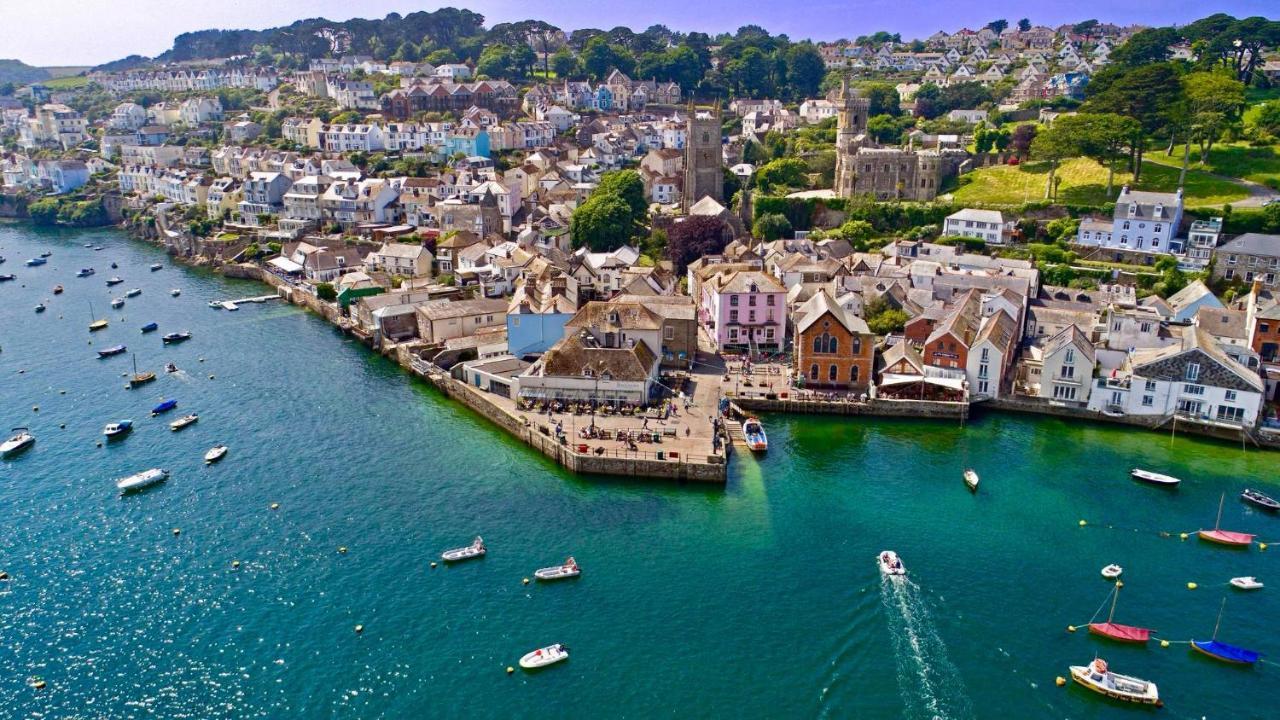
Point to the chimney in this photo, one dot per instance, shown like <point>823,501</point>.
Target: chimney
<point>1257,287</point>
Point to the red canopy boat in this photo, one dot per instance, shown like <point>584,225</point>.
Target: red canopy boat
<point>1225,537</point>
<point>1116,631</point>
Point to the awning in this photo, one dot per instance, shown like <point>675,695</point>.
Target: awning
<point>285,264</point>
<point>892,379</point>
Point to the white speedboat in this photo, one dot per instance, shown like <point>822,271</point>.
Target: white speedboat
<point>133,292</point>
<point>1154,478</point>
<point>543,657</point>
<point>559,572</point>
<point>889,563</point>
<point>146,478</point>
<point>474,550</point>
<point>1112,571</point>
<point>118,429</point>
<point>216,453</point>
<point>971,479</point>
<point>753,432</point>
<point>183,421</point>
<point>1098,678</point>
<point>1247,582</point>
<point>117,302</point>
<point>20,440</point>
<point>156,266</point>
<point>175,292</point>
<point>215,304</point>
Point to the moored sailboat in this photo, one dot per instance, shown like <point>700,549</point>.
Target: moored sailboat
<point>1225,537</point>
<point>140,378</point>
<point>1116,631</point>
<point>94,323</point>
<point>1219,650</point>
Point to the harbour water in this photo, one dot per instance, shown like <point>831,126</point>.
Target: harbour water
<point>757,599</point>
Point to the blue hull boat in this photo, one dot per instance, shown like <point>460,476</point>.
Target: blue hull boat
<point>114,350</point>
<point>164,407</point>
<point>150,327</point>
<point>36,261</point>
<point>1226,653</point>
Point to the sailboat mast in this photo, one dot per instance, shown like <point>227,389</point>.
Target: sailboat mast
<point>1219,622</point>
<point>1218,522</point>
<point>1115,595</point>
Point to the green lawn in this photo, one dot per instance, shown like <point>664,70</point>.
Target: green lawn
<point>71,82</point>
<point>1259,164</point>
<point>1084,182</point>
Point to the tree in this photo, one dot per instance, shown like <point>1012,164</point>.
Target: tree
<point>882,318</point>
<point>496,62</point>
<point>1024,25</point>
<point>563,63</point>
<point>693,237</point>
<point>325,291</point>
<point>805,70</point>
<point>1214,102</point>
<point>781,173</point>
<point>1145,47</point>
<point>1086,28</point>
<point>599,57</point>
<point>1021,140</point>
<point>771,226</point>
<point>602,223</point>
<point>998,26</point>
<point>748,74</point>
<point>627,186</point>
<point>1054,145</point>
<point>1268,117</point>
<point>888,129</point>
<point>1104,137</point>
<point>1152,95</point>
<point>883,99</point>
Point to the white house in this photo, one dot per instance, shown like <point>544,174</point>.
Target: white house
<point>986,225</point>
<point>1067,371</point>
<point>407,259</point>
<point>1142,222</point>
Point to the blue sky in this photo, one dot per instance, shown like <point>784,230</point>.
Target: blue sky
<point>81,32</point>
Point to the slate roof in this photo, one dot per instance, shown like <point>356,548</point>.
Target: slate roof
<point>1216,368</point>
<point>1252,244</point>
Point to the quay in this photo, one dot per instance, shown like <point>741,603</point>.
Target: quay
<point>256,299</point>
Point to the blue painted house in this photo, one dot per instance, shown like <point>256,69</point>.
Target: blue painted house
<point>536,323</point>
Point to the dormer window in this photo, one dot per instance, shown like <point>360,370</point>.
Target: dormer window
<point>1193,372</point>
<point>1133,209</point>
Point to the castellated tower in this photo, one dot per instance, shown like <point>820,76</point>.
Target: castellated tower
<point>703,157</point>
<point>851,128</point>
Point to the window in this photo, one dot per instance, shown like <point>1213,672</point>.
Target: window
<point>1145,327</point>
<point>768,333</point>
<point>669,333</point>
<point>833,373</point>
<point>853,374</point>
<point>751,300</point>
<point>1230,396</point>
<point>1193,372</point>
<point>983,387</point>
<point>1193,389</point>
<point>751,316</point>
<point>1068,371</point>
<point>769,299</point>
<point>1070,357</point>
<point>733,316</point>
<point>733,300</point>
<point>1148,401</point>
<point>813,371</point>
<point>1115,326</point>
<point>986,354</point>
<point>1064,392</point>
<point>1230,414</point>
<point>1151,386</point>
<point>733,333</point>
<point>857,345</point>
<point>1125,226</point>
<point>982,370</point>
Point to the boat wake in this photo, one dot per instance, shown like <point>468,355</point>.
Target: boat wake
<point>930,684</point>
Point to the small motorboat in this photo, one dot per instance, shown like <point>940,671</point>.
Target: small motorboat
<point>753,432</point>
<point>36,261</point>
<point>117,302</point>
<point>19,441</point>
<point>133,292</point>
<point>474,550</point>
<point>175,292</point>
<point>57,289</point>
<point>1097,677</point>
<point>98,248</point>
<point>115,280</point>
<point>141,480</point>
<point>971,479</point>
<point>118,429</point>
<point>184,421</point>
<point>559,572</point>
<point>164,407</point>
<point>8,278</point>
<point>85,272</point>
<point>150,327</point>
<point>1112,571</point>
<point>46,253</point>
<point>156,266</point>
<point>113,350</point>
<point>88,245</point>
<point>890,564</point>
<point>40,308</point>
<point>1229,538</point>
<point>114,266</point>
<point>216,453</point>
<point>170,368</point>
<point>1257,499</point>
<point>543,657</point>
<point>228,305</point>
<point>215,304</point>
<point>1247,582</point>
<point>1154,478</point>
<point>176,337</point>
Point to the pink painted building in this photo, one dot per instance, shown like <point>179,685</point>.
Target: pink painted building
<point>744,309</point>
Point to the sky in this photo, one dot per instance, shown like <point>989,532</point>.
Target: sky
<point>87,32</point>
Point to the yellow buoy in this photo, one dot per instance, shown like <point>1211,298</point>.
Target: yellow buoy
<point>1059,681</point>
<point>510,669</point>
<point>526,581</point>
<point>1164,643</point>
<point>1071,628</point>
<point>1083,523</point>
<point>99,443</point>
<point>1119,583</point>
<point>177,532</point>
<point>359,629</point>
<point>1183,536</point>
<point>342,548</point>
<point>1262,546</point>
<point>35,408</point>
<point>38,684</point>
<point>62,392</point>
<point>235,563</point>
<point>275,506</point>
<point>211,376</point>
<point>433,565</point>
<point>4,575</point>
<point>1192,586</point>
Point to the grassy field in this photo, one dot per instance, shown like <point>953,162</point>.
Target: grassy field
<point>71,82</point>
<point>1084,182</point>
<point>1259,164</point>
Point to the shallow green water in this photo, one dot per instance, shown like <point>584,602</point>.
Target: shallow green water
<point>759,599</point>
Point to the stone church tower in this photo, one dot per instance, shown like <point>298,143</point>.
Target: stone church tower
<point>703,158</point>
<point>851,128</point>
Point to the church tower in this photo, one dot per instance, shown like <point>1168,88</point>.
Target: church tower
<point>851,126</point>
<point>703,157</point>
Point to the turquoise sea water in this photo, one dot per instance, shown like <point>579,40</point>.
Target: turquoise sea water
<point>756,600</point>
